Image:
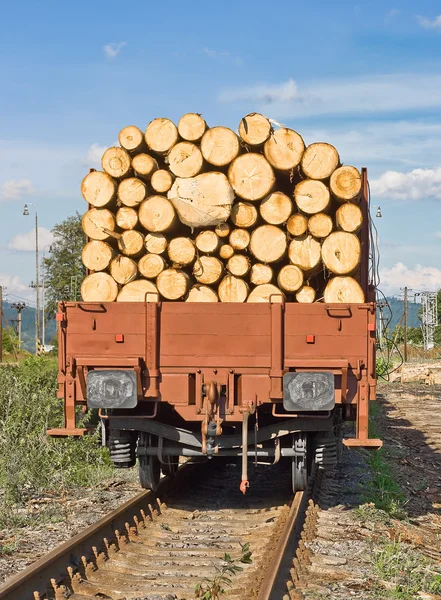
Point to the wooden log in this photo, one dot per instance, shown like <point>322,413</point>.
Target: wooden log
<point>297,225</point>
<point>268,243</point>
<point>207,270</point>
<point>155,243</point>
<point>284,149</point>
<point>320,225</point>
<point>161,181</point>
<point>126,218</point>
<point>181,251</point>
<point>116,162</point>
<point>320,160</point>
<point>203,200</point>
<point>290,278</point>
<point>99,287</point>
<point>232,289</point>
<point>266,293</point>
<point>191,127</point>
<point>306,294</point>
<point>131,139</point>
<point>97,223</point>
<point>202,293</point>
<point>238,265</point>
<point>173,284</point>
<point>349,217</point>
<point>226,251</point>
<point>219,146</point>
<point>244,214</point>
<point>161,135</point>
<point>251,176</point>
<point>254,129</point>
<point>312,196</point>
<point>341,252</point>
<point>239,239</point>
<point>276,208</point>
<point>345,184</point>
<point>98,189</point>
<point>343,290</point>
<point>123,269</point>
<point>223,229</point>
<point>96,255</point>
<point>185,160</point>
<point>144,165</point>
<point>260,274</point>
<point>132,191</point>
<point>137,291</point>
<point>131,242</point>
<point>150,265</point>
<point>207,241</point>
<point>305,252</point>
<point>157,214</point>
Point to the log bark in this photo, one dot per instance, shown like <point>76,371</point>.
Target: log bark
<point>173,284</point>
<point>191,127</point>
<point>268,243</point>
<point>254,129</point>
<point>226,251</point>
<point>207,270</point>
<point>320,160</point>
<point>244,214</point>
<point>131,242</point>
<point>349,217</point>
<point>203,200</point>
<point>99,287</point>
<point>126,218</point>
<point>97,223</point>
<point>344,290</point>
<point>232,289</point>
<point>239,239</point>
<point>207,242</point>
<point>155,243</point>
<point>238,265</point>
<point>185,160</point>
<point>305,252</point>
<point>290,278</point>
<point>260,274</point>
<point>161,135</point>
<point>161,181</point>
<point>202,293</point>
<point>137,291</point>
<point>123,269</point>
<point>266,293</point>
<point>284,149</point>
<point>132,191</point>
<point>341,252</point>
<point>96,255</point>
<point>157,214</point>
<point>306,295</point>
<point>219,146</point>
<point>276,208</point>
<point>144,165</point>
<point>312,196</point>
<point>223,229</point>
<point>131,139</point>
<point>150,265</point>
<point>320,225</point>
<point>98,189</point>
<point>345,184</point>
<point>251,176</point>
<point>116,162</point>
<point>181,251</point>
<point>297,225</point>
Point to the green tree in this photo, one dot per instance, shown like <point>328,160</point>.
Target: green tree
<point>10,340</point>
<point>63,268</point>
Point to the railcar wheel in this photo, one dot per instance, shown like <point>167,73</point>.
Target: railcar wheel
<point>300,462</point>
<point>149,466</point>
<point>170,465</point>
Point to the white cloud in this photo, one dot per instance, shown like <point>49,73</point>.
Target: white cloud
<point>430,23</point>
<point>14,286</point>
<point>15,189</point>
<point>112,50</point>
<point>420,278</point>
<point>264,93</point>
<point>94,155</point>
<point>418,184</point>
<point>25,242</point>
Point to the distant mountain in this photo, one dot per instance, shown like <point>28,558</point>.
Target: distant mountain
<point>27,325</point>
<point>397,308</point>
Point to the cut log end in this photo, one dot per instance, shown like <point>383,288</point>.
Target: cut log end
<point>157,214</point>
<point>226,251</point>
<point>96,255</point>
<point>123,269</point>
<point>116,162</point>
<point>99,287</point>
<point>185,160</point>
<point>305,252</point>
<point>222,230</point>
<point>97,223</point>
<point>251,176</point>
<point>312,196</point>
<point>233,289</point>
<point>276,208</point>
<point>341,252</point>
<point>144,165</point>
<point>345,184</point>
<point>126,218</point>
<point>284,149</point>
<point>98,189</point>
<point>191,127</point>
<point>349,217</point>
<point>161,135</point>
<point>139,290</point>
<point>268,243</point>
<point>306,295</point>
<point>266,293</point>
<point>320,225</point>
<point>161,181</point>
<point>244,214</point>
<point>297,225</point>
<point>320,160</point>
<point>155,243</point>
<point>239,239</point>
<point>131,242</point>
<point>254,129</point>
<point>132,191</point>
<point>131,138</point>
<point>344,290</point>
<point>202,293</point>
<point>207,242</point>
<point>238,265</point>
<point>151,265</point>
<point>260,274</point>
<point>207,270</point>
<point>219,146</point>
<point>290,278</point>
<point>181,251</point>
<point>173,284</point>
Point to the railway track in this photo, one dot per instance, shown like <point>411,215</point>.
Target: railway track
<point>160,545</point>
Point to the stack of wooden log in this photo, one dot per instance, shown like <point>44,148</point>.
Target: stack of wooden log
<point>208,215</point>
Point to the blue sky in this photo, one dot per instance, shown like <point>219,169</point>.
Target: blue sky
<point>365,77</point>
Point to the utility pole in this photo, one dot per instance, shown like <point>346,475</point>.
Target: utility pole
<point>37,278</point>
<point>405,322</point>
<point>19,306</point>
